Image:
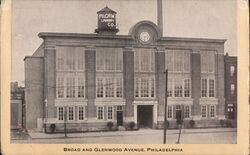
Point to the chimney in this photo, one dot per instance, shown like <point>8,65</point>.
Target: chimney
<point>159,16</point>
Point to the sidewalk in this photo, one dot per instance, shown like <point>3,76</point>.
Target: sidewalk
<point>41,135</point>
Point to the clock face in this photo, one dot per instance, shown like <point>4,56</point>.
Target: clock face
<point>144,36</point>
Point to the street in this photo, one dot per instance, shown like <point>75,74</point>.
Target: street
<point>142,136</point>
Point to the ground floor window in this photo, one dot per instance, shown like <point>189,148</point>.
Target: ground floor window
<point>170,112</point>
<point>100,113</point>
<point>110,113</point>
<point>60,112</point>
<point>81,113</point>
<point>212,111</point>
<point>71,113</point>
<point>186,111</point>
<point>203,111</point>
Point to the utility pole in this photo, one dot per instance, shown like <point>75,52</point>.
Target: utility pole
<point>165,109</point>
<point>160,16</point>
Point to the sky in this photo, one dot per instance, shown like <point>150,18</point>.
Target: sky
<point>214,19</point>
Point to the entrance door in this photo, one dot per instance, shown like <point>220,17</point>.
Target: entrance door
<point>145,116</point>
<point>119,117</point>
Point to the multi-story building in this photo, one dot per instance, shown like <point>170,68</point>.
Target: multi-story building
<point>87,80</point>
<point>231,87</point>
<point>17,106</point>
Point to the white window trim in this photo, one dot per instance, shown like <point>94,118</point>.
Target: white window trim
<point>58,114</point>
<point>206,112</point>
<point>214,111</point>
<point>73,114</point>
<point>172,88</point>
<point>76,78</point>
<point>102,113</point>
<point>150,87</point>
<point>207,92</point>
<point>172,115</point>
<point>112,113</point>
<point>187,118</point>
<point>104,87</point>
<point>84,113</point>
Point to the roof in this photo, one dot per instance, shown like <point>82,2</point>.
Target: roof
<point>106,9</point>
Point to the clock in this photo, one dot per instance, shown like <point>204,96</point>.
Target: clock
<point>144,36</point>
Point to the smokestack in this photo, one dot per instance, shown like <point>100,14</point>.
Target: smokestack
<point>159,16</point>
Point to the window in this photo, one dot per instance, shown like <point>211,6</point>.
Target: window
<point>204,111</point>
<point>145,87</point>
<point>119,108</point>
<point>207,88</point>
<point>170,112</point>
<point>70,58</point>
<point>110,113</point>
<point>100,113</point>
<point>81,113</point>
<point>108,87</point>
<point>212,111</point>
<point>177,60</point>
<point>187,111</point>
<point>203,87</point>
<point>207,61</point>
<point>232,89</point>
<point>232,70</point>
<point>170,88</point>
<point>80,87</point>
<point>60,112</point>
<point>70,87</point>
<point>60,87</point>
<point>211,88</point>
<point>144,60</point>
<point>71,113</point>
<point>109,59</point>
<point>178,88</point>
<point>187,88</point>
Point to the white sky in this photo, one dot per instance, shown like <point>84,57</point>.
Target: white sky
<point>182,18</point>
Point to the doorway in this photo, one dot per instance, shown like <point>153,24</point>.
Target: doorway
<point>119,117</point>
<point>145,116</point>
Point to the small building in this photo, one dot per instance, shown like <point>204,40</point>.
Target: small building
<point>87,80</point>
<point>17,106</point>
<point>231,87</point>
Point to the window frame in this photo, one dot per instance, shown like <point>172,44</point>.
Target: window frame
<point>68,116</point>
<point>202,116</point>
<point>138,87</point>
<point>58,114</point>
<point>112,112</point>
<point>78,113</point>
<point>97,113</point>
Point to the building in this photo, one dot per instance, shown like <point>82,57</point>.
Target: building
<point>17,106</point>
<point>87,80</point>
<point>231,87</point>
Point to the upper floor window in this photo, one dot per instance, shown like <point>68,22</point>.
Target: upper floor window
<point>179,87</point>
<point>207,87</point>
<point>207,61</point>
<point>109,59</point>
<point>232,89</point>
<point>145,87</point>
<point>177,60</point>
<point>144,60</point>
<point>232,70</point>
<point>108,87</point>
<point>70,86</point>
<point>70,58</point>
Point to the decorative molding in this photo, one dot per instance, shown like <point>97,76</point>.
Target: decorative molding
<point>180,101</point>
<point>110,102</point>
<point>143,102</point>
<point>70,102</point>
<point>206,101</point>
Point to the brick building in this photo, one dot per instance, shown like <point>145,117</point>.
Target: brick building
<point>231,87</point>
<point>87,80</point>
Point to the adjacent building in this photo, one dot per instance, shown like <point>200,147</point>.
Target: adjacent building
<point>87,80</point>
<point>231,87</point>
<point>17,106</point>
